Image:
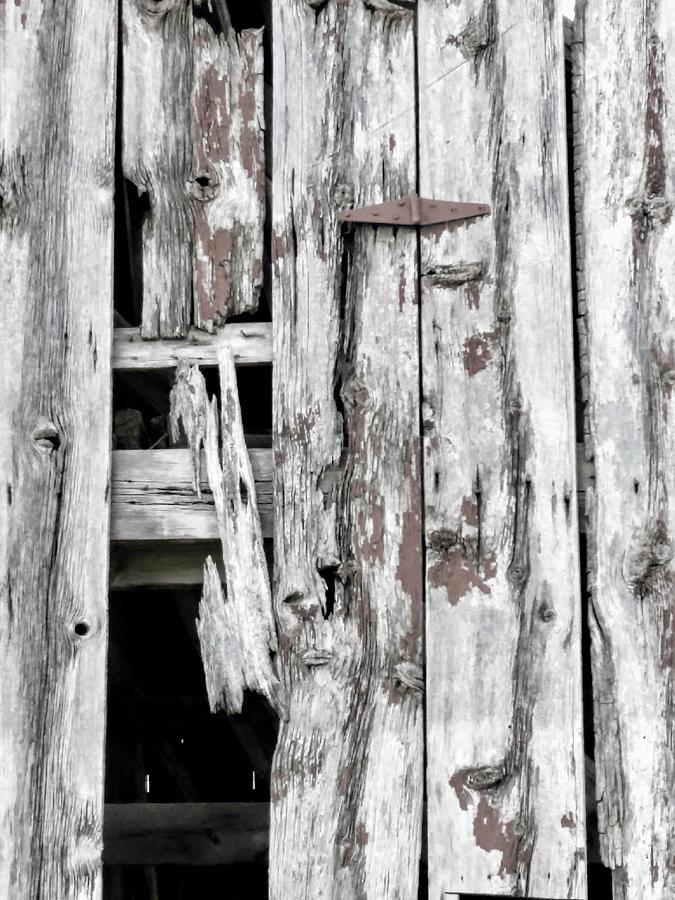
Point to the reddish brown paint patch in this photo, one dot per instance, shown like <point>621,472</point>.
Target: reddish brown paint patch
<point>458,783</point>
<point>478,351</point>
<point>470,511</point>
<point>567,821</point>
<point>392,143</point>
<point>361,835</point>
<point>457,568</point>
<point>493,834</point>
<point>370,526</point>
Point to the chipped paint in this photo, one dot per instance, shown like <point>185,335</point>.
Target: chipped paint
<point>492,834</point>
<point>478,351</point>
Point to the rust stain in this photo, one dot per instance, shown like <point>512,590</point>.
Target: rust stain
<point>493,834</point>
<point>478,351</point>
<point>567,821</point>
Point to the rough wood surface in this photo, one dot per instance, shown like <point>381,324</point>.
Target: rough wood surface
<point>250,344</point>
<point>192,145</point>
<point>624,86</point>
<point>347,779</point>
<point>153,498</point>
<point>236,625</point>
<point>505,755</point>
<point>57,82</point>
<point>185,834</point>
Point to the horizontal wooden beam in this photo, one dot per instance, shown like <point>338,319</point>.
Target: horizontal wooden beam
<point>153,498</point>
<point>153,501</point>
<point>250,343</point>
<point>185,834</point>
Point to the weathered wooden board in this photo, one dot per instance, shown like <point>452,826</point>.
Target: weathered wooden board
<point>250,344</point>
<point>192,142</point>
<point>505,759</point>
<point>153,498</point>
<point>236,628</point>
<point>624,137</point>
<point>57,82</point>
<point>347,775</point>
<point>158,565</point>
<point>185,834</point>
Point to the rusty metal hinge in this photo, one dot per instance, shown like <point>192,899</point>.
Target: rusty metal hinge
<point>414,210</point>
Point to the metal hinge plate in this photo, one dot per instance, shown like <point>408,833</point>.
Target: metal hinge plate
<point>414,210</point>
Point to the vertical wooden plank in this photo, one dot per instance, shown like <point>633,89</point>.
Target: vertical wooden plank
<point>57,81</point>
<point>347,773</point>
<point>505,779</point>
<point>192,143</point>
<point>624,86</point>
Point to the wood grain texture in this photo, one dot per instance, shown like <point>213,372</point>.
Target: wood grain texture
<point>250,345</point>
<point>56,244</point>
<point>153,498</point>
<point>505,756</point>
<point>236,625</point>
<point>192,142</point>
<point>623,87</point>
<point>347,775</point>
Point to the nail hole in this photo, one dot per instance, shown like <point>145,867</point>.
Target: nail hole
<point>82,629</point>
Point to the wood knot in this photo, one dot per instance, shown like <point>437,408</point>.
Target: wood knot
<point>476,36</point>
<point>354,393</point>
<point>204,186</point>
<point>651,551</point>
<point>156,8</point>
<point>546,613</point>
<point>443,540</point>
<point>343,195</point>
<point>484,778</point>
<point>46,436</point>
<point>314,657</point>
<point>409,675</point>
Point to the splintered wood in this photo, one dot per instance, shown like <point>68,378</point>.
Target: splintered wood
<point>236,625</point>
<point>347,779</point>
<point>57,82</point>
<point>505,763</point>
<point>624,137</point>
<point>192,152</point>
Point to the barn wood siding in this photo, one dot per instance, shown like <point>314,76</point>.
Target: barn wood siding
<point>57,82</point>
<point>346,803</point>
<point>623,88</point>
<point>505,763</point>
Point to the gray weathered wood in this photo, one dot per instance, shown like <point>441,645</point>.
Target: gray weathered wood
<point>624,136</point>
<point>192,142</point>
<point>236,625</point>
<point>347,775</point>
<point>57,82</point>
<point>505,756</point>
<point>250,344</point>
<point>185,834</point>
<point>153,497</point>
